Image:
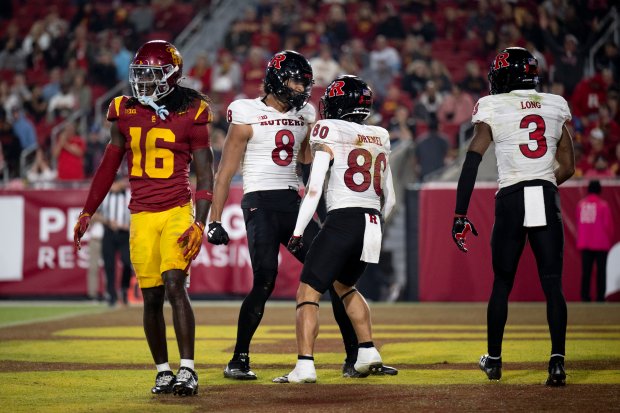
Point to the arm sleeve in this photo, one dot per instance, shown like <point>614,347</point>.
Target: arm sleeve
<point>390,196</point>
<point>467,180</point>
<point>104,177</point>
<point>320,165</point>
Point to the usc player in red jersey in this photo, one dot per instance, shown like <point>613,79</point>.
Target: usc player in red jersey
<point>160,129</point>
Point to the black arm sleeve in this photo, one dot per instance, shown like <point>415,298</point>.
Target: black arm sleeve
<point>466,182</point>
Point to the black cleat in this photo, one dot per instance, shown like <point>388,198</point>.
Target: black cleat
<point>557,375</point>
<point>239,369</point>
<point>348,370</point>
<point>491,367</point>
<point>164,382</point>
<point>187,382</point>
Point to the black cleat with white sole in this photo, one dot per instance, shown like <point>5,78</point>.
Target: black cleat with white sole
<point>163,382</point>
<point>187,382</point>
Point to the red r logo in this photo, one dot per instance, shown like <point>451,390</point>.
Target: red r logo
<point>275,61</point>
<point>373,219</point>
<point>500,60</point>
<point>336,89</point>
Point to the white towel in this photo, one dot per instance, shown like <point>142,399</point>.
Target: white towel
<point>372,239</point>
<point>534,207</point>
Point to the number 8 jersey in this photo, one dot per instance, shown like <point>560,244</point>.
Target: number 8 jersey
<point>357,175</point>
<point>271,154</point>
<point>526,127</point>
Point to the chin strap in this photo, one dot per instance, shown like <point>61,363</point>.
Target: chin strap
<point>161,111</point>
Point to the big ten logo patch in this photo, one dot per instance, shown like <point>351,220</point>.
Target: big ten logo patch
<point>176,56</point>
<point>130,111</point>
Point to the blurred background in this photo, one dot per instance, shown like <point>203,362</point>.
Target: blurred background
<point>62,62</point>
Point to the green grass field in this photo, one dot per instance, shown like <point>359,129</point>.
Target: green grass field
<point>88,358</point>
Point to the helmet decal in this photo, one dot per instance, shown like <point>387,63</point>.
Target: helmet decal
<point>335,89</point>
<point>275,61</point>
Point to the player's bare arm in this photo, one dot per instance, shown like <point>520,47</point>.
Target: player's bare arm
<point>203,162</point>
<point>305,155</point>
<point>483,136</point>
<point>565,156</point>
<point>234,147</point>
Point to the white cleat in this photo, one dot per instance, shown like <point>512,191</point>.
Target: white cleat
<point>304,372</point>
<point>368,361</point>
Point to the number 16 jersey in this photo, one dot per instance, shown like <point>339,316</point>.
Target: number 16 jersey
<point>526,127</point>
<point>271,153</point>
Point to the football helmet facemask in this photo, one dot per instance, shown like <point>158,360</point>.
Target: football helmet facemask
<point>513,68</point>
<point>155,70</point>
<point>284,67</point>
<point>347,97</point>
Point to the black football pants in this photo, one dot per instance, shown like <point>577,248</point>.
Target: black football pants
<point>266,230</point>
<point>114,242</point>
<point>507,243</point>
<point>588,258</point>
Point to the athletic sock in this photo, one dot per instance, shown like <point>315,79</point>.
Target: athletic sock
<point>366,344</point>
<point>187,363</point>
<point>300,357</point>
<point>163,367</point>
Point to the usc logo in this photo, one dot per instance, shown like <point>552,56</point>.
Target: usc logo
<point>176,57</point>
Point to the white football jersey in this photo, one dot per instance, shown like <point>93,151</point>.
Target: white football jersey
<point>526,127</point>
<point>357,175</point>
<point>271,154</point>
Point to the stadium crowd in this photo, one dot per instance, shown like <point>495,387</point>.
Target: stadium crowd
<point>425,59</point>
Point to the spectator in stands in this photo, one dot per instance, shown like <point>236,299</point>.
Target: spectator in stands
<point>36,107</point>
<point>97,140</point>
<point>81,49</point>
<point>324,68</point>
<point>356,51</point>
<point>390,24</point>
<point>379,78</point>
<point>62,104</point>
<point>267,38</point>
<point>385,54</point>
<point>336,27</point>
<point>426,28</point>
<point>142,16</point>
<point>609,58</point>
<point>456,107</point>
<point>582,165</point>
<point>431,150</point>
<point>483,19</point>
<point>473,82</point>
<point>428,103</point>
<point>589,94</point>
<point>600,168</point>
<point>441,76</point>
<point>9,142</point>
<point>52,87</point>
<point>87,16</point>
<point>595,231</point>
<point>402,127</point>
<point>595,145</point>
<point>69,154</point>
<point>416,75</point>
<point>23,128</point>
<point>11,55</point>
<point>37,35</point>
<point>363,26</point>
<point>226,75</point>
<point>201,73</point>
<point>20,89</point>
<point>83,93</point>
<point>103,71</point>
<point>8,100</point>
<point>568,60</point>
<point>615,164</point>
<point>40,172</point>
<point>610,128</point>
<point>122,58</point>
<point>394,99</point>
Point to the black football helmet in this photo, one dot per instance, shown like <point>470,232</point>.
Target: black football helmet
<point>513,68</point>
<point>347,97</point>
<point>284,66</point>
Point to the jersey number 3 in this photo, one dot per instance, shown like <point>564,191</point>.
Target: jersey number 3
<point>364,169</point>
<point>537,135</point>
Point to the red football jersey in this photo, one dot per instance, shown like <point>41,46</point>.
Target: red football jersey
<point>159,152</point>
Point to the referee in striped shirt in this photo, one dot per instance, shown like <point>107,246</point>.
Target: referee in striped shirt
<point>114,214</point>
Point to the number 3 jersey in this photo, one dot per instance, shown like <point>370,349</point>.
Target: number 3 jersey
<point>271,153</point>
<point>357,175</point>
<point>526,127</point>
<point>159,151</point>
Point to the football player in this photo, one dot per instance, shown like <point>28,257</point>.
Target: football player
<point>160,129</point>
<point>354,158</point>
<point>530,133</point>
<point>270,134</point>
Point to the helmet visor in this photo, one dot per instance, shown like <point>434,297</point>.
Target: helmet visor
<point>147,80</point>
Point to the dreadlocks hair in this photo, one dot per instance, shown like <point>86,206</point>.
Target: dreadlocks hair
<point>179,100</point>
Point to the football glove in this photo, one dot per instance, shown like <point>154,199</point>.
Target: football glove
<point>295,244</point>
<point>191,240</point>
<point>460,227</point>
<point>217,235</point>
<point>80,229</point>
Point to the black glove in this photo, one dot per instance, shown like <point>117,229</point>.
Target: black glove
<point>217,235</point>
<point>460,227</point>
<point>295,244</point>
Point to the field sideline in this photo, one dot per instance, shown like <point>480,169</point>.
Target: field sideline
<point>81,357</point>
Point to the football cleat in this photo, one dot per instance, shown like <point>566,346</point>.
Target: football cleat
<point>163,382</point>
<point>239,369</point>
<point>348,370</point>
<point>557,375</point>
<point>491,367</point>
<point>302,373</point>
<point>368,361</point>
<point>187,382</point>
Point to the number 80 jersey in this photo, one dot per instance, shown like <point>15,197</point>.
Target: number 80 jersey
<point>357,175</point>
<point>526,127</point>
<point>271,154</point>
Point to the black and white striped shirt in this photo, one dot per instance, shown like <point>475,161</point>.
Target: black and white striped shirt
<point>115,207</point>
